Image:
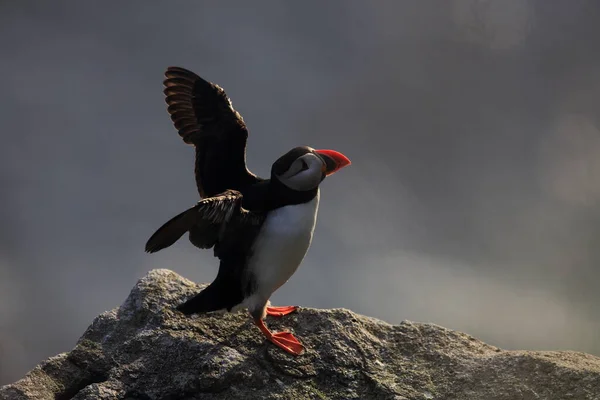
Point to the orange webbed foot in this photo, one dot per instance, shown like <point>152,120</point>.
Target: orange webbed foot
<point>283,340</point>
<point>287,342</point>
<point>281,311</point>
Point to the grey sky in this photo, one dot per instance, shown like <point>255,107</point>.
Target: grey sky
<point>472,201</point>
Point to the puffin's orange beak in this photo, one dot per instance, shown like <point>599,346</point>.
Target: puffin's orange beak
<point>334,161</point>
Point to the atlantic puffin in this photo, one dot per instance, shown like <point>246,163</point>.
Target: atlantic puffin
<point>260,229</point>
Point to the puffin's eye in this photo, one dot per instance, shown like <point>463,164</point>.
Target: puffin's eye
<point>297,167</point>
<point>304,165</point>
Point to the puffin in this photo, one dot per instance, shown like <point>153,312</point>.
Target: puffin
<point>260,229</point>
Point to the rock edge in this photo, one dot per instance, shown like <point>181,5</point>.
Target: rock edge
<point>146,350</point>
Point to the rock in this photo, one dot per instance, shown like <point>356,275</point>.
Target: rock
<point>147,350</point>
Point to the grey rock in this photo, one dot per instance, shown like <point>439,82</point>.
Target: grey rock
<point>147,350</point>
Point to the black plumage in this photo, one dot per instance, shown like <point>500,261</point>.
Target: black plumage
<point>235,201</point>
<point>220,222</point>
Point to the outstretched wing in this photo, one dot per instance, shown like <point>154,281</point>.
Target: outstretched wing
<point>203,116</point>
<point>209,222</point>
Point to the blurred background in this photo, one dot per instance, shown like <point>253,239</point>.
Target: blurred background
<point>473,128</point>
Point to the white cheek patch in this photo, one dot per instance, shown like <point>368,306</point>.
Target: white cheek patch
<point>302,180</point>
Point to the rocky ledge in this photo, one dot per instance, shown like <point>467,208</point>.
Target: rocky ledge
<point>146,350</point>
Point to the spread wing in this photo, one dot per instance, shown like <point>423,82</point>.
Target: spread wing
<point>204,116</point>
<point>212,222</point>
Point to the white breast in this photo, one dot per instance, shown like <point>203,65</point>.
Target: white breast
<point>280,247</point>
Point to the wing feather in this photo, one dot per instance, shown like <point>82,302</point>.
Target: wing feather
<point>207,222</point>
<point>204,117</point>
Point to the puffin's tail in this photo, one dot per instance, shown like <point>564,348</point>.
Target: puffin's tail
<point>210,299</point>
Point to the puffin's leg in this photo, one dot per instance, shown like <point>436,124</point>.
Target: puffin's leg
<point>284,340</point>
<point>280,311</point>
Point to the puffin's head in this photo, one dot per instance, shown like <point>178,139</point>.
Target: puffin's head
<point>304,168</point>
